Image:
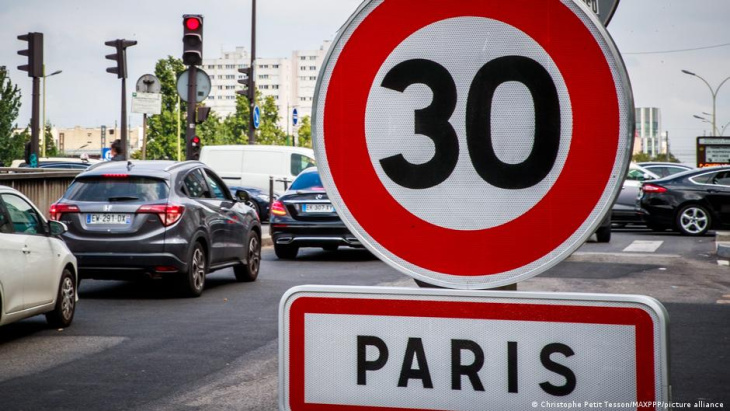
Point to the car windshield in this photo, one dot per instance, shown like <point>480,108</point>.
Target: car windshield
<point>106,189</point>
<point>307,182</point>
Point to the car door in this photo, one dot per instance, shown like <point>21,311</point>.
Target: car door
<point>39,284</point>
<point>718,195</point>
<point>235,222</point>
<point>196,187</point>
<point>13,261</point>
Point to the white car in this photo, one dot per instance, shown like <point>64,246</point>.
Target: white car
<point>37,270</point>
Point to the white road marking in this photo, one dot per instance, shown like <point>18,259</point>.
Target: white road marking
<point>640,246</point>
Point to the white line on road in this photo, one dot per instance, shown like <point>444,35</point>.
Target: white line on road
<point>640,246</point>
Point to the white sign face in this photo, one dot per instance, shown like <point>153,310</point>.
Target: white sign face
<point>446,350</point>
<point>484,141</point>
<point>146,103</point>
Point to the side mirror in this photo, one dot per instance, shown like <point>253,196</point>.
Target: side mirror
<point>648,176</point>
<point>243,196</point>
<point>57,228</point>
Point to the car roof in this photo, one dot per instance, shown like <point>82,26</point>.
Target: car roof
<point>153,168</point>
<point>661,163</point>
<point>692,172</point>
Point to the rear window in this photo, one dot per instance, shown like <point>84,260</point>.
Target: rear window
<point>117,189</point>
<point>307,181</point>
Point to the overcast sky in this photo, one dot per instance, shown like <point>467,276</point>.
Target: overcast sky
<point>84,94</point>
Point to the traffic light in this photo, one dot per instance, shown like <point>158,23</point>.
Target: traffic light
<point>192,39</point>
<point>201,114</point>
<point>34,54</point>
<point>195,144</point>
<point>120,56</point>
<point>248,83</point>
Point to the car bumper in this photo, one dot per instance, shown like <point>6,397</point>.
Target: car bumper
<point>126,266</point>
<point>313,235</point>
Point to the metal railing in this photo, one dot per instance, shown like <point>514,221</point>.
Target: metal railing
<point>42,186</point>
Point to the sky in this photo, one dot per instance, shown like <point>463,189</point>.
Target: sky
<point>654,37</point>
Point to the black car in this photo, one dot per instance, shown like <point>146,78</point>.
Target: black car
<point>258,200</point>
<point>158,219</point>
<point>691,202</point>
<point>304,217</point>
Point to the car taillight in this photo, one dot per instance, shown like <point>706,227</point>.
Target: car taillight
<point>278,208</point>
<point>653,188</point>
<point>169,214</point>
<point>59,209</point>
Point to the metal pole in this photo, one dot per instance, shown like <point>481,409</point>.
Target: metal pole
<point>190,122</point>
<point>124,119</point>
<point>179,154</point>
<point>144,136</point>
<point>35,126</point>
<point>43,135</point>
<point>252,102</point>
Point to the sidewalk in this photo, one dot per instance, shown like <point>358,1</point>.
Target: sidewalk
<point>265,236</point>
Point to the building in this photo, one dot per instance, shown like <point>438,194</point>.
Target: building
<point>649,137</point>
<point>79,140</point>
<point>290,82</point>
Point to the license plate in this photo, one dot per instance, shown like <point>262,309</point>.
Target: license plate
<point>120,219</point>
<point>318,208</point>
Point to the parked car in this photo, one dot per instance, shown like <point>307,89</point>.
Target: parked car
<point>259,200</point>
<point>305,217</point>
<point>158,219</point>
<point>59,162</point>
<point>38,273</point>
<point>691,202</point>
<point>665,169</point>
<point>252,165</point>
<point>626,209</point>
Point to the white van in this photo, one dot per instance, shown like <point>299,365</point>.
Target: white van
<point>251,166</point>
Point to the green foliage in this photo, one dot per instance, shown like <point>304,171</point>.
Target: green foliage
<point>11,146</point>
<point>644,157</point>
<point>269,132</point>
<point>51,149</point>
<point>305,132</point>
<point>162,129</point>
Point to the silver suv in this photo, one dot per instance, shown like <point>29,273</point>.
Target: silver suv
<point>158,219</point>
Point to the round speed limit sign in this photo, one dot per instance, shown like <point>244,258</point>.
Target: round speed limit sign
<point>473,144</point>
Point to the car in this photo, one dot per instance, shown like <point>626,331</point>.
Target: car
<point>39,272</point>
<point>59,162</point>
<point>692,202</point>
<point>626,210</point>
<point>305,217</point>
<point>259,200</point>
<point>158,219</point>
<point>664,169</point>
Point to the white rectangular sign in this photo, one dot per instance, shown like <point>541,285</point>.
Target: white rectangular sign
<point>415,349</point>
<point>146,103</point>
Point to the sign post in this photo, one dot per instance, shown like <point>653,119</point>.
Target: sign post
<point>374,348</point>
<point>467,158</point>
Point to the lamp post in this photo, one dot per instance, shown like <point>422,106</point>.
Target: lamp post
<point>714,98</point>
<point>43,135</point>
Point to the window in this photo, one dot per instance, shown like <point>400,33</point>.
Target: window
<point>217,188</point>
<point>276,66</point>
<point>313,67</point>
<point>220,66</point>
<point>6,226</point>
<point>313,57</point>
<point>300,163</point>
<point>263,66</point>
<point>313,78</point>
<point>230,76</point>
<point>210,66</point>
<point>263,76</point>
<point>302,57</point>
<point>722,178</point>
<point>307,181</point>
<point>142,189</point>
<point>275,86</point>
<point>194,185</point>
<point>23,216</point>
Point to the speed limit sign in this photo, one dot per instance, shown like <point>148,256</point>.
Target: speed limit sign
<point>473,144</point>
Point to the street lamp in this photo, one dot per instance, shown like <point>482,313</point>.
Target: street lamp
<point>43,135</point>
<point>714,97</point>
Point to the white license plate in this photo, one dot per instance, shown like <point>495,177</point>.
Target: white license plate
<point>109,219</point>
<point>318,208</point>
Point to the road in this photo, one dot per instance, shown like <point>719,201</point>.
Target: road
<point>137,346</point>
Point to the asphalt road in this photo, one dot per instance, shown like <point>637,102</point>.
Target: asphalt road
<point>137,346</point>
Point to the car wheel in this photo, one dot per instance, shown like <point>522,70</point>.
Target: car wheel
<point>693,220</point>
<point>603,234</point>
<point>286,252</point>
<point>63,312</point>
<point>249,271</point>
<point>193,281</point>
<point>331,247</point>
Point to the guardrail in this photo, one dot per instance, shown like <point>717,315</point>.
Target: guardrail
<point>42,186</point>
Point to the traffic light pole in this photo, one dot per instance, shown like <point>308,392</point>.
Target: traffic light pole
<point>252,83</point>
<point>192,102</point>
<point>35,122</point>
<point>125,138</point>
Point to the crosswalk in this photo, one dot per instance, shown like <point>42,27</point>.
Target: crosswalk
<point>642,246</point>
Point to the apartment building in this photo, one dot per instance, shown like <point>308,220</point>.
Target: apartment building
<point>224,76</point>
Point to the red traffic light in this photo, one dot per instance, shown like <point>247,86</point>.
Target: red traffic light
<point>195,141</point>
<point>192,23</point>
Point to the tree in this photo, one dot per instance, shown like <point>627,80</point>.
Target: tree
<point>269,131</point>
<point>645,157</point>
<point>11,146</point>
<point>162,132</point>
<point>305,133</point>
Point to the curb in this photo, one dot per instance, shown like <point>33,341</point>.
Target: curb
<point>267,241</point>
<point>722,244</point>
